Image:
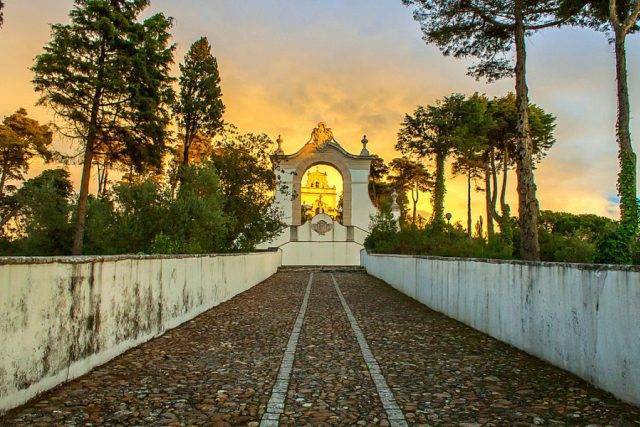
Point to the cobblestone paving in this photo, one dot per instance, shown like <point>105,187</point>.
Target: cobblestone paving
<point>220,368</point>
<point>443,372</point>
<point>330,381</point>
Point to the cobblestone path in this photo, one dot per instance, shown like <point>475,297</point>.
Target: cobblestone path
<point>221,368</point>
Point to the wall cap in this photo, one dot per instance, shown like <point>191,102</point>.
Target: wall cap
<point>86,259</point>
<point>579,266</point>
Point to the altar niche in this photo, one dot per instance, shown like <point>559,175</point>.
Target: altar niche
<point>322,192</point>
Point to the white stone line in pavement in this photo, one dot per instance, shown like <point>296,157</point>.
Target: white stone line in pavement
<point>394,413</point>
<point>275,407</point>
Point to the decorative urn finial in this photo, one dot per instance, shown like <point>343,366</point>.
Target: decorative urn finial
<point>364,151</point>
<point>279,150</point>
<point>395,208</point>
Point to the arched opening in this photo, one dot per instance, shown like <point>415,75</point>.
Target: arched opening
<point>322,192</point>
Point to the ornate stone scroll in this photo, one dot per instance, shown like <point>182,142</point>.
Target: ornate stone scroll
<point>321,135</point>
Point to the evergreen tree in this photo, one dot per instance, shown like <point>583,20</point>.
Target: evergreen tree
<point>248,180</point>
<point>21,139</point>
<point>431,132</point>
<point>410,176</point>
<point>106,75</point>
<point>502,142</point>
<point>377,173</point>
<point>45,205</point>
<point>199,107</point>
<point>490,30</point>
<point>470,142</point>
<point>621,18</point>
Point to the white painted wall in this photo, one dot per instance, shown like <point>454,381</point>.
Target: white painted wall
<point>582,318</point>
<point>321,253</point>
<point>362,209</point>
<point>61,317</point>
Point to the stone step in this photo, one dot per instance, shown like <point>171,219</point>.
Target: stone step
<point>325,268</point>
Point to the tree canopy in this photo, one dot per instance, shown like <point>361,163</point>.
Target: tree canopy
<point>106,77</point>
<point>199,107</point>
<point>21,139</point>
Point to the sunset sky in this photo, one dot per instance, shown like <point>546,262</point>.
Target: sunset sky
<point>359,66</point>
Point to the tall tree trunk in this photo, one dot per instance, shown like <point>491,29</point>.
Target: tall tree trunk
<point>626,156</point>
<point>527,201</point>
<point>487,199</point>
<point>414,198</point>
<point>439,189</point>
<point>3,182</point>
<point>83,198</point>
<point>505,172</point>
<point>469,219</point>
<point>185,151</point>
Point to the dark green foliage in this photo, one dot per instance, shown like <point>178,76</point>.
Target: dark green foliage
<point>615,247</point>
<point>144,218</point>
<point>411,177</point>
<point>247,181</point>
<point>483,29</point>
<point>21,139</point>
<point>107,63</point>
<point>199,107</point>
<point>635,252</point>
<point>196,219</point>
<point>432,132</point>
<point>106,77</point>
<point>559,248</point>
<point>437,239</point>
<point>44,218</point>
<point>564,237</point>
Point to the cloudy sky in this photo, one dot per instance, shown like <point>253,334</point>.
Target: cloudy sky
<point>359,65</point>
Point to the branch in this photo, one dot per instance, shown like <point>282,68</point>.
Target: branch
<point>487,18</point>
<point>555,23</point>
<point>632,18</point>
<point>613,14</point>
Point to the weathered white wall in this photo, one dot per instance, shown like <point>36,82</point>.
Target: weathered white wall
<point>60,317</point>
<point>582,318</point>
<point>321,253</point>
<point>362,209</point>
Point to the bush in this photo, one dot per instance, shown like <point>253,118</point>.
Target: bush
<point>44,219</point>
<point>559,248</point>
<point>613,247</point>
<point>436,240</point>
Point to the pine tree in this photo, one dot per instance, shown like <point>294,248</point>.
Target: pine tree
<point>621,18</point>
<point>199,108</point>
<point>490,30</point>
<point>106,76</point>
<point>411,176</point>
<point>431,132</point>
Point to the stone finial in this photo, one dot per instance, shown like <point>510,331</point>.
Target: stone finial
<point>364,151</point>
<point>279,150</point>
<point>395,208</point>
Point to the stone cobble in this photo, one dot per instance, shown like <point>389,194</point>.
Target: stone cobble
<point>443,372</point>
<point>330,382</point>
<point>217,369</point>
